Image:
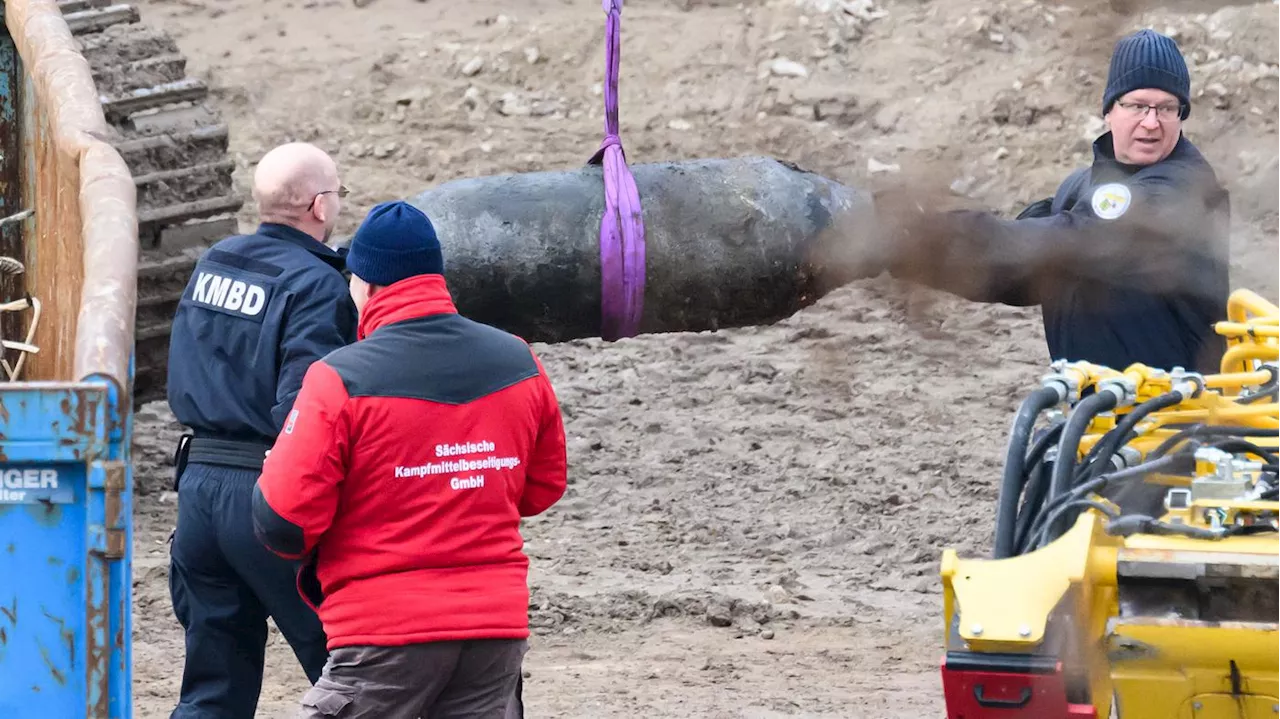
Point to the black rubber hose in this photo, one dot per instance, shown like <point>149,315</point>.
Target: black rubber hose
<point>1046,533</point>
<point>1036,482</point>
<point>1051,511</point>
<point>1244,445</point>
<point>1065,464</point>
<point>1119,435</point>
<point>1042,445</point>
<point>1268,392</point>
<point>1034,507</point>
<point>1173,464</point>
<point>1139,524</point>
<point>1266,389</point>
<point>1015,468</point>
<point>1210,430</point>
<point>1273,493</point>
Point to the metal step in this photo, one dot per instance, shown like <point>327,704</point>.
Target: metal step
<point>188,90</point>
<point>188,211</point>
<point>121,44</point>
<point>215,133</point>
<point>67,6</point>
<point>150,334</point>
<point>172,119</point>
<point>198,234</point>
<point>147,72</point>
<point>97,19</point>
<point>184,172</point>
<point>160,299</point>
<point>159,269</point>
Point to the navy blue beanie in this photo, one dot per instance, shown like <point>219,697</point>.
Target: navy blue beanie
<point>396,241</point>
<point>1148,60</point>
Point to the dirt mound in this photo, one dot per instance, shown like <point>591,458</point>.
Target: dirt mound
<point>755,513</point>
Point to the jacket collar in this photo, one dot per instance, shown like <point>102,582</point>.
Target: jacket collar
<point>278,231</point>
<point>418,296</point>
<point>1104,151</point>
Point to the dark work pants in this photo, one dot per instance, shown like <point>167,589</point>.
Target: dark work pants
<point>472,679</point>
<point>224,584</point>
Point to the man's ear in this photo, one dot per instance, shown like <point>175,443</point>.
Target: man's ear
<point>319,211</point>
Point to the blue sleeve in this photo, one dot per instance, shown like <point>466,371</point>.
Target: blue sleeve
<point>1162,239</point>
<point>322,320</point>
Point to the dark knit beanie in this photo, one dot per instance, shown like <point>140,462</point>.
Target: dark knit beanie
<point>396,241</point>
<point>1148,60</point>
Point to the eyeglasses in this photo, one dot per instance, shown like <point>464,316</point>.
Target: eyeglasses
<point>342,191</point>
<point>1165,111</point>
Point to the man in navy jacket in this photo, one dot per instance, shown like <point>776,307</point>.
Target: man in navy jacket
<point>256,312</point>
<point>1128,260</point>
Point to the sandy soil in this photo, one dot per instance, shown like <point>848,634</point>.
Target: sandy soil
<point>754,517</point>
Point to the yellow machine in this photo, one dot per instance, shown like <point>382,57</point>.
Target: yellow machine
<point>1135,568</point>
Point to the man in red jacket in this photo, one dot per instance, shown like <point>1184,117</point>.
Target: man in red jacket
<point>402,474</point>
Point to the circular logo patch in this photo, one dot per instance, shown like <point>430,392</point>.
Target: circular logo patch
<point>1111,200</point>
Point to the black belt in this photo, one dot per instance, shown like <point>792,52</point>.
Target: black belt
<point>242,454</point>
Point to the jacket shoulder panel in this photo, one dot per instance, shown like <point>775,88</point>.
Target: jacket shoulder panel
<point>441,358</point>
<point>1069,191</point>
<point>232,284</point>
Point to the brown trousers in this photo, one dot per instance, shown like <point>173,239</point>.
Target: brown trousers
<point>473,679</point>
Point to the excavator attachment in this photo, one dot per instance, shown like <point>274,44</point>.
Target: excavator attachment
<point>175,143</point>
<point>1136,568</point>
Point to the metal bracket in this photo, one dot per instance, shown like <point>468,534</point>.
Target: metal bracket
<point>114,487</point>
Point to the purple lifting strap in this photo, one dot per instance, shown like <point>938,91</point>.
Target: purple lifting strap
<point>622,256</point>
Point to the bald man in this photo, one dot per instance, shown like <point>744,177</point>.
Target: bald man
<point>258,310</point>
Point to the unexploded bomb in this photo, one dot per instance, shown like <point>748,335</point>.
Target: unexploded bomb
<point>729,243</point>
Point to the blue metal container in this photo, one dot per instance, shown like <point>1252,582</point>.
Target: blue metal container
<point>65,552</point>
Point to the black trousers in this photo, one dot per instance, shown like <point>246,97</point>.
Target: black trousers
<point>224,584</point>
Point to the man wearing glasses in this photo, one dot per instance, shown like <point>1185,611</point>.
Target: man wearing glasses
<point>257,311</point>
<point>1128,259</point>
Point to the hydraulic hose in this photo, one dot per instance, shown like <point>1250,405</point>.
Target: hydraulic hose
<point>1140,524</point>
<point>1244,445</point>
<point>1120,433</point>
<point>1264,391</point>
<point>1065,464</point>
<point>1015,468</point>
<point>1209,430</point>
<point>1042,445</point>
<point>1036,484</point>
<point>1273,493</point>
<point>1041,532</point>
<point>1034,507</point>
<point>1046,534</point>
<point>1105,399</point>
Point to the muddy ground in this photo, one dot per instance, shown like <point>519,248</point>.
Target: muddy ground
<point>755,516</point>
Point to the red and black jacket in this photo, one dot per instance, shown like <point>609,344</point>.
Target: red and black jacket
<point>406,465</point>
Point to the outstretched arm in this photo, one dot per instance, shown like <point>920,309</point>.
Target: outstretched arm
<point>1160,240</point>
